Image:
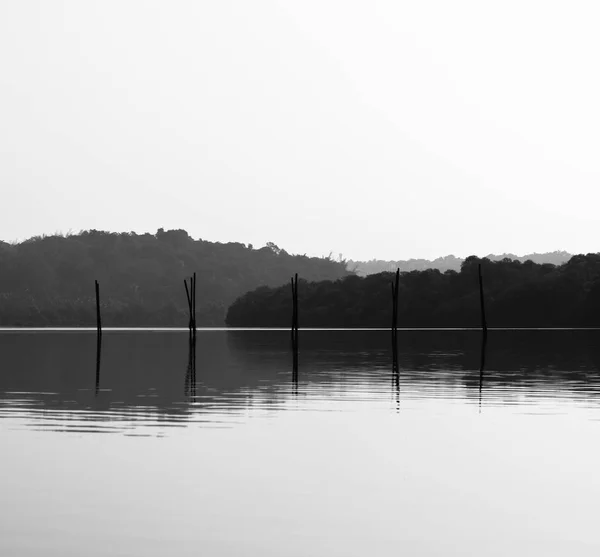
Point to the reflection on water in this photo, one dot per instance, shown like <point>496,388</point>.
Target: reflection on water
<point>166,379</point>
<point>190,375</point>
<point>98,361</point>
<point>482,365</point>
<point>441,443</point>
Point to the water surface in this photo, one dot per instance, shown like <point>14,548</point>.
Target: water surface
<point>158,449</point>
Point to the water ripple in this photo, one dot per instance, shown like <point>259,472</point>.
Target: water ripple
<point>156,382</point>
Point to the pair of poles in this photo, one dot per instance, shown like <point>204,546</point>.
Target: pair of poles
<point>191,298</point>
<point>395,285</point>
<point>190,292</point>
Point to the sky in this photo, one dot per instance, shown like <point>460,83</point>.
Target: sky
<point>380,129</point>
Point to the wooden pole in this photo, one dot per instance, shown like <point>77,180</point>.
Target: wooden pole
<point>293,330</point>
<point>194,304</point>
<point>189,300</point>
<point>482,303</point>
<point>98,317</point>
<point>395,289</point>
<point>397,295</point>
<point>393,306</point>
<point>296,303</point>
<point>294,306</point>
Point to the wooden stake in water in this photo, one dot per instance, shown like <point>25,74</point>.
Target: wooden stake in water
<point>98,318</point>
<point>395,288</point>
<point>194,304</point>
<point>482,303</point>
<point>190,293</point>
<point>295,326</point>
<point>296,303</point>
<point>294,306</point>
<point>189,301</point>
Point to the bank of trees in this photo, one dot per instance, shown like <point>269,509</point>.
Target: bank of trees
<point>49,281</point>
<point>448,263</point>
<point>518,294</point>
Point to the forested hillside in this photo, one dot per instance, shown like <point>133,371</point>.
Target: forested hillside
<point>517,295</point>
<point>449,262</point>
<point>49,281</point>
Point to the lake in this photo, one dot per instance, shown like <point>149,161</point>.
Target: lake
<point>156,449</point>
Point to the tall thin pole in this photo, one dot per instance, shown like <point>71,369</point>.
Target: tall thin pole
<point>293,309</point>
<point>295,328</point>
<point>296,303</point>
<point>482,303</point>
<point>395,288</point>
<point>393,306</point>
<point>189,301</point>
<point>294,306</point>
<point>98,318</point>
<point>194,304</point>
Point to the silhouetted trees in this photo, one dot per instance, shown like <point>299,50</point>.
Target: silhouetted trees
<point>448,263</point>
<point>517,294</point>
<point>49,281</point>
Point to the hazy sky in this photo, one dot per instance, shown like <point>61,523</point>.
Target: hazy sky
<point>387,129</point>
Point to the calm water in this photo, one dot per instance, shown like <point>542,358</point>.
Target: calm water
<point>154,450</point>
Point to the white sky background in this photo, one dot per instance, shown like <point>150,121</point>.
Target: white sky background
<point>378,129</point>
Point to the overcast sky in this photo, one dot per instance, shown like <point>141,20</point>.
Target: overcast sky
<point>378,129</point>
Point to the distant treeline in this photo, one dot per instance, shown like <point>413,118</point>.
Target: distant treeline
<point>49,281</point>
<point>517,295</point>
<point>449,262</point>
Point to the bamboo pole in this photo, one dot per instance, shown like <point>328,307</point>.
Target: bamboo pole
<point>294,282</point>
<point>194,304</point>
<point>98,317</point>
<point>296,304</point>
<point>397,295</point>
<point>295,328</point>
<point>189,301</point>
<point>393,306</point>
<point>395,289</point>
<point>293,309</point>
<point>190,293</point>
<point>482,303</point>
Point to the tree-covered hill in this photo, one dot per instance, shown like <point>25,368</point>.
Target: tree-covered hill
<point>517,295</point>
<point>49,281</point>
<point>449,262</point>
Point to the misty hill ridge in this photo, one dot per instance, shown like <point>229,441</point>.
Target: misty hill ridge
<point>49,280</point>
<point>449,262</point>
